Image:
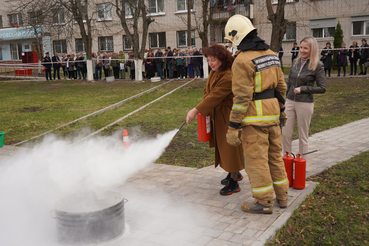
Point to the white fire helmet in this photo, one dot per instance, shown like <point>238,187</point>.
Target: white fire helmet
<point>237,28</point>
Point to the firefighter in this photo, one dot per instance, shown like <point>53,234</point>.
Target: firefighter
<point>259,89</point>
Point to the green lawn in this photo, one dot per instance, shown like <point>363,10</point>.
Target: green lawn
<point>31,108</point>
<point>337,212</point>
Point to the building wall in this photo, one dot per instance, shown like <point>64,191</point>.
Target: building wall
<point>303,11</point>
<point>172,21</point>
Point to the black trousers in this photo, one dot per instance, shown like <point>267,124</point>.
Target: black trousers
<point>48,73</point>
<point>116,72</point>
<point>180,72</point>
<point>57,71</point>
<point>353,63</point>
<point>106,72</point>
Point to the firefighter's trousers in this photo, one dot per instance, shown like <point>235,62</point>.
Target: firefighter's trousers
<point>264,166</point>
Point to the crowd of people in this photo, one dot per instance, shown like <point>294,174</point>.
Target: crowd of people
<point>355,54</point>
<point>181,64</point>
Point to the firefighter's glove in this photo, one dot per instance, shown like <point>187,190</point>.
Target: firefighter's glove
<point>282,119</point>
<point>232,137</point>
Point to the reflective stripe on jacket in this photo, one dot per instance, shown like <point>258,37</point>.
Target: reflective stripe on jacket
<point>255,72</point>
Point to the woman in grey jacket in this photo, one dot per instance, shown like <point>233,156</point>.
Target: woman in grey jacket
<point>306,70</point>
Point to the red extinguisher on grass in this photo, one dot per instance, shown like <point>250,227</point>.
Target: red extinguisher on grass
<point>203,127</point>
<point>299,172</point>
<point>288,165</point>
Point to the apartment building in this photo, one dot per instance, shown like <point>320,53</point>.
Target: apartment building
<point>317,18</point>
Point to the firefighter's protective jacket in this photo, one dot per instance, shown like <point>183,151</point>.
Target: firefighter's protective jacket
<point>254,72</point>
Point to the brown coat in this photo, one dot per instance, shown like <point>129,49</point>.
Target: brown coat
<point>218,100</point>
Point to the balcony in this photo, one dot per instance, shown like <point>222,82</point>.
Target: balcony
<point>228,9</point>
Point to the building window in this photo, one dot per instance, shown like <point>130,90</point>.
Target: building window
<point>157,40</point>
<point>58,16</point>
<point>16,51</point>
<point>126,44</point>
<point>182,5</point>
<point>360,27</point>
<point>104,11</point>
<point>322,28</point>
<point>182,39</point>
<point>106,44</point>
<point>60,46</point>
<point>84,13</point>
<point>325,32</point>
<point>290,34</point>
<point>1,54</point>
<point>287,1</point>
<point>128,10</point>
<point>35,17</point>
<point>80,47</point>
<point>156,6</point>
<point>1,21</point>
<point>15,19</point>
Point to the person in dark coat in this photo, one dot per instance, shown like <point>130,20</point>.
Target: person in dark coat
<point>150,65</point>
<point>196,62</point>
<point>364,56</point>
<point>327,52</point>
<point>280,54</point>
<point>295,52</point>
<point>70,66</point>
<point>131,64</point>
<point>56,65</point>
<point>159,63</point>
<point>201,63</point>
<point>170,62</point>
<point>47,65</point>
<point>342,60</point>
<point>354,55</point>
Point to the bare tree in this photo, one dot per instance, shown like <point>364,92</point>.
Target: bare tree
<point>278,23</point>
<point>202,22</point>
<point>189,28</point>
<point>83,16</point>
<point>136,9</point>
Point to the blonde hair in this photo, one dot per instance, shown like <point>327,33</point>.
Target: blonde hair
<point>314,52</point>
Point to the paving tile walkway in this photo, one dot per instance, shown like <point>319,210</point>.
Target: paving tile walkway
<point>171,205</point>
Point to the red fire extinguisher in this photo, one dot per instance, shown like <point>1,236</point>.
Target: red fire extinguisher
<point>299,172</point>
<point>288,165</point>
<point>203,127</point>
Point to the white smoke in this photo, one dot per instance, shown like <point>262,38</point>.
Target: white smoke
<point>32,181</point>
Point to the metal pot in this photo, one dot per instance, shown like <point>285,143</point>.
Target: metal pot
<point>90,218</point>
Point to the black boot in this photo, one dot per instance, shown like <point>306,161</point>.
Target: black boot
<point>230,188</point>
<point>225,181</point>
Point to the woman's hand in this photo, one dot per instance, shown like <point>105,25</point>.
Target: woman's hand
<point>191,115</point>
<point>326,54</point>
<point>297,90</point>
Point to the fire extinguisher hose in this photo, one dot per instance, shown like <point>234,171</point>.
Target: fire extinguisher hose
<point>182,125</point>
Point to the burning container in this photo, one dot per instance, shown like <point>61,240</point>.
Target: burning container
<point>89,218</point>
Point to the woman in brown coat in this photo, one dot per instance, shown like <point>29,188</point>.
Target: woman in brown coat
<point>218,100</point>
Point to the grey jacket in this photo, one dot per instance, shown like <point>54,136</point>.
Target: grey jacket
<point>305,80</point>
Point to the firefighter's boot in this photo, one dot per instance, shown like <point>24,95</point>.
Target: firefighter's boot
<point>282,203</point>
<point>256,208</point>
<point>230,188</point>
<point>225,181</point>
